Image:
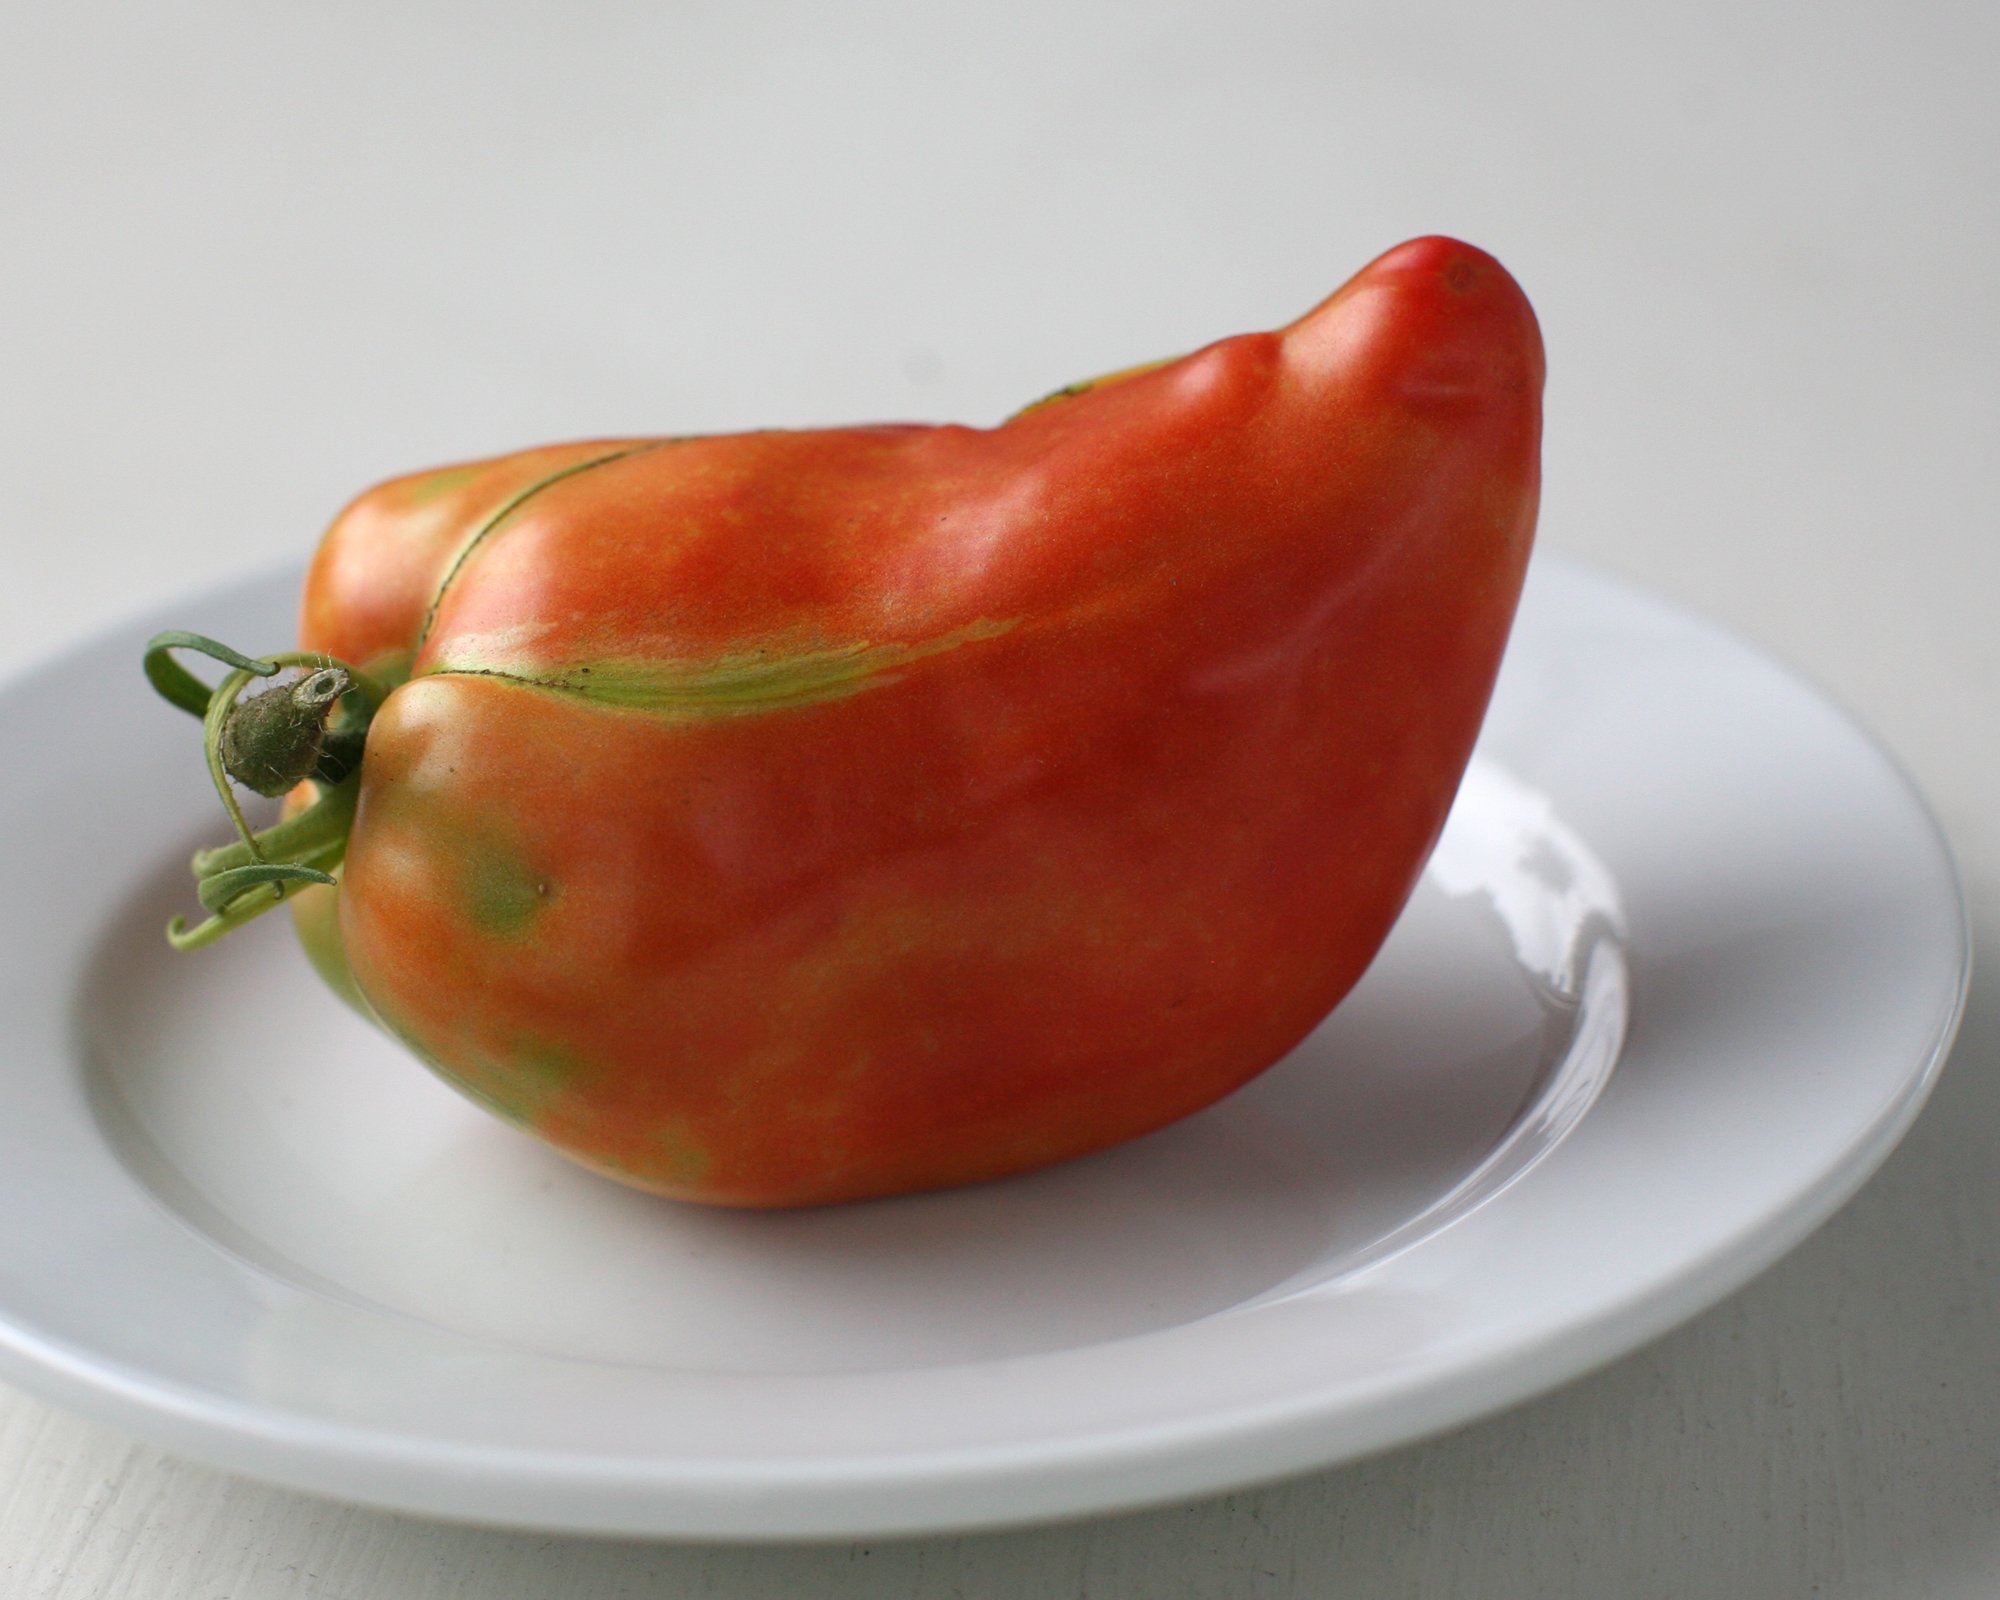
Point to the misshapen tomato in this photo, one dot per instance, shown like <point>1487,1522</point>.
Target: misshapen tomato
<point>802,816</point>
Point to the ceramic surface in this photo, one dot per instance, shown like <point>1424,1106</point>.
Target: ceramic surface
<point>313,1263</point>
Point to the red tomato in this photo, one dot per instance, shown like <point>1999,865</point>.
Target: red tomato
<point>803,816</point>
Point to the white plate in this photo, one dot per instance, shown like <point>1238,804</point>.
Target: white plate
<point>308,1261</point>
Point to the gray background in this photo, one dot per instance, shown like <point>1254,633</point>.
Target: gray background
<point>252,259</point>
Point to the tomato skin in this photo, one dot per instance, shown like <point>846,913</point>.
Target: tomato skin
<point>799,817</point>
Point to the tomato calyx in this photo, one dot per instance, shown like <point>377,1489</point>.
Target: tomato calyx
<point>308,730</point>
<point>272,742</point>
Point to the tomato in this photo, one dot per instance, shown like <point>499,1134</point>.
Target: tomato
<point>804,816</point>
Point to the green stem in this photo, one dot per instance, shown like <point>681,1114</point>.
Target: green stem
<point>322,826</point>
<point>218,890</point>
<point>220,704</point>
<point>182,687</point>
<point>241,881</point>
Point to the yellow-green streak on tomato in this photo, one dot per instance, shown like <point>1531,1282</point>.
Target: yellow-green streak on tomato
<point>745,683</point>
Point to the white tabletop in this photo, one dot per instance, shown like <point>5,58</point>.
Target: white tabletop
<point>254,258</point>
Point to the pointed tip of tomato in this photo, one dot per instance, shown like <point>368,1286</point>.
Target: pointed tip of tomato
<point>1462,267</point>
<point>1435,306</point>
